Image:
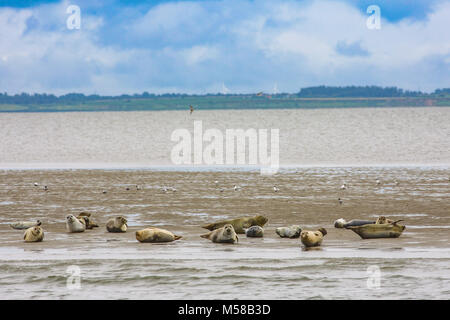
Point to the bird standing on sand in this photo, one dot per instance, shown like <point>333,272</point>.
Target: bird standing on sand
<point>378,182</point>
<point>45,188</point>
<point>191,108</point>
<point>340,201</point>
<point>36,184</point>
<point>275,189</point>
<point>344,186</point>
<point>236,188</point>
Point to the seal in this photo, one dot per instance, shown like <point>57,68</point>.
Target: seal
<point>33,234</point>
<point>342,223</point>
<point>75,225</point>
<point>313,238</point>
<point>87,219</point>
<point>239,224</point>
<point>254,232</point>
<point>383,220</point>
<point>23,225</point>
<point>118,224</point>
<point>289,232</point>
<point>226,234</point>
<point>379,230</point>
<point>155,235</point>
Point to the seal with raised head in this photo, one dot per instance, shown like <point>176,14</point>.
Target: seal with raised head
<point>383,220</point>
<point>33,234</point>
<point>22,225</point>
<point>73,224</point>
<point>239,224</point>
<point>87,220</point>
<point>254,232</point>
<point>152,234</point>
<point>226,234</point>
<point>312,238</point>
<point>118,224</point>
<point>289,232</point>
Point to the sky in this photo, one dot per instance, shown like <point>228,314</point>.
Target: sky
<point>210,46</point>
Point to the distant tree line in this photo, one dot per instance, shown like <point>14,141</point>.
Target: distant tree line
<point>359,91</point>
<point>310,92</point>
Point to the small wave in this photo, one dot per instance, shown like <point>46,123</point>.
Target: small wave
<point>428,227</point>
<point>402,215</point>
<point>6,203</point>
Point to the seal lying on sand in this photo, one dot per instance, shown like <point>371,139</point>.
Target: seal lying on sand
<point>313,238</point>
<point>155,235</point>
<point>289,232</point>
<point>118,224</point>
<point>239,224</point>
<point>254,232</point>
<point>341,223</point>
<point>87,219</point>
<point>74,224</point>
<point>384,228</point>
<point>226,234</point>
<point>33,234</point>
<point>22,225</point>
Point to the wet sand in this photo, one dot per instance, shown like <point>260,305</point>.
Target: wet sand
<point>116,266</point>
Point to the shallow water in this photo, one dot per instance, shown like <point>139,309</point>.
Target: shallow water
<point>313,137</point>
<point>116,266</point>
<point>324,148</point>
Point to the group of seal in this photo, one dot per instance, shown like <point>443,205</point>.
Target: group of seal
<point>225,231</point>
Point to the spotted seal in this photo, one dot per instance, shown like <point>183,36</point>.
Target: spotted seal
<point>23,225</point>
<point>254,232</point>
<point>289,232</point>
<point>155,235</point>
<point>239,224</point>
<point>33,234</point>
<point>73,224</point>
<point>312,238</point>
<point>118,224</point>
<point>225,234</point>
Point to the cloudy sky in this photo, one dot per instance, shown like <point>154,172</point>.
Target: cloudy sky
<point>202,46</point>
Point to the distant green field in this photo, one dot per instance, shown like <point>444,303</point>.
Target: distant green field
<point>226,102</point>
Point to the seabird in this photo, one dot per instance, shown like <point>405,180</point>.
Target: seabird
<point>236,188</point>
<point>275,188</point>
<point>340,201</point>
<point>36,184</point>
<point>344,186</point>
<point>378,181</point>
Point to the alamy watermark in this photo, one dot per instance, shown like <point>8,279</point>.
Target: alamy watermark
<point>74,20</point>
<point>374,20</point>
<point>74,279</point>
<point>190,149</point>
<point>374,277</point>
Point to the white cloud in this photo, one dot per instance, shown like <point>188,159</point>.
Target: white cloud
<point>196,46</point>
